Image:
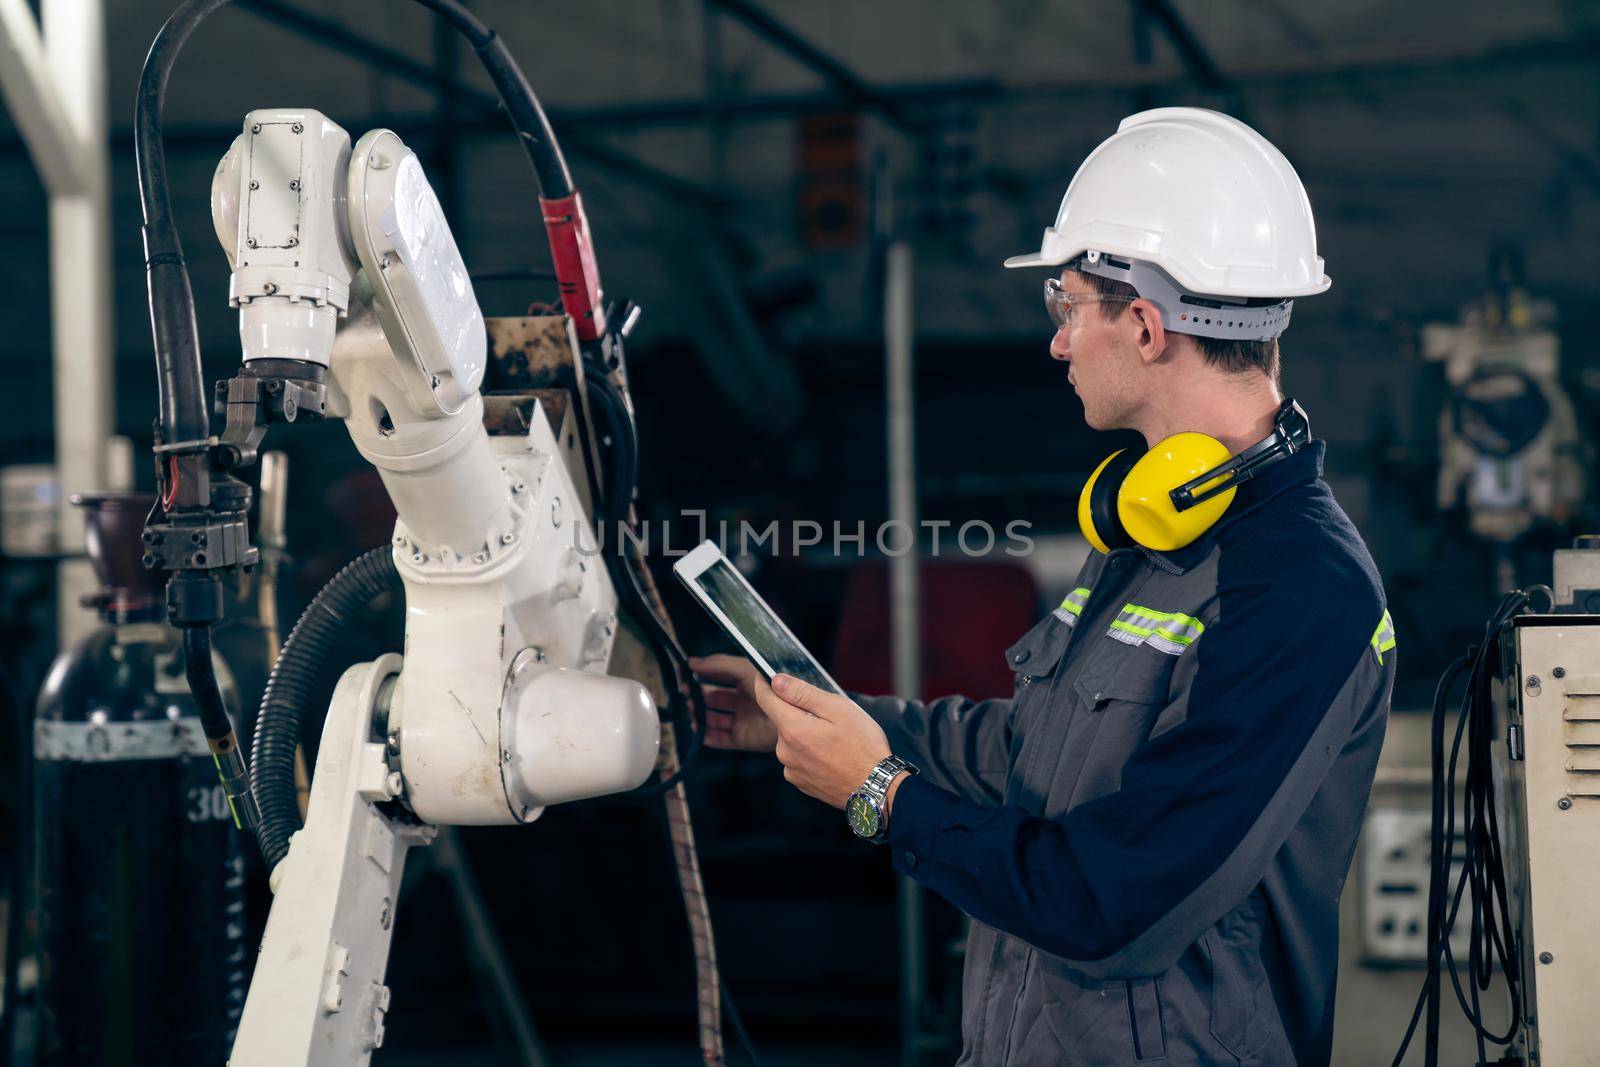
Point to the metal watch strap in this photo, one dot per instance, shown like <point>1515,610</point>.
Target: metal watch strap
<point>877,786</point>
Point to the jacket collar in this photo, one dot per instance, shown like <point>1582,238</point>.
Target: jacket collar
<point>1304,466</point>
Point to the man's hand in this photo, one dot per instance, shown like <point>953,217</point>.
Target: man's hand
<point>827,744</point>
<point>733,719</point>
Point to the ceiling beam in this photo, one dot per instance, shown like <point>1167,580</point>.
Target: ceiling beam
<point>341,38</point>
<point>1196,57</point>
<point>841,78</point>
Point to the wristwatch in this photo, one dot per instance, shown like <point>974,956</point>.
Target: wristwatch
<point>866,809</point>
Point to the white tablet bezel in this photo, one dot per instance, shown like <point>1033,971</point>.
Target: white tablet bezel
<point>701,559</point>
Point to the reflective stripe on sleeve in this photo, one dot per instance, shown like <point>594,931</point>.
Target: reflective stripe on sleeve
<point>1383,637</point>
<point>1168,631</point>
<point>1072,606</point>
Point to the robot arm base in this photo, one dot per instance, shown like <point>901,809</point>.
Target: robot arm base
<point>318,993</point>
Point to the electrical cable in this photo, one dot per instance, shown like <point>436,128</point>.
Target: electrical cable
<point>1482,882</point>
<point>516,97</point>
<point>217,724</point>
<point>677,678</point>
<point>623,471</point>
<point>184,411</point>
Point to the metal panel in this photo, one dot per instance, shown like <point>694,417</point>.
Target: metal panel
<point>1555,803</point>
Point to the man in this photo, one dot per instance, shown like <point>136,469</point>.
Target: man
<point>1152,834</point>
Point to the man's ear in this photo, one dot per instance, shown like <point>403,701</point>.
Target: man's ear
<point>1150,336</point>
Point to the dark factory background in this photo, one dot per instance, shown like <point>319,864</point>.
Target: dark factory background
<point>744,169</point>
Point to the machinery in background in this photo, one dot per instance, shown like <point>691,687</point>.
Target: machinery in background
<point>1546,749</point>
<point>1525,753</point>
<point>1509,444</point>
<point>354,303</point>
<point>1391,874</point>
<point>139,876</point>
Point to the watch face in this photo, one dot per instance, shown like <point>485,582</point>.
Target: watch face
<point>863,815</point>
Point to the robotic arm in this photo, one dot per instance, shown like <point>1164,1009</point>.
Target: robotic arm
<point>354,302</point>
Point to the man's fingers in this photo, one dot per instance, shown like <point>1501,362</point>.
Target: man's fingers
<point>785,715</point>
<point>805,696</point>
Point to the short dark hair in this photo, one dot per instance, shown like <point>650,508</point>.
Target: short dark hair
<point>1233,356</point>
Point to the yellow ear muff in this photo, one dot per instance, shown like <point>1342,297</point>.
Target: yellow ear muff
<point>1097,504</point>
<point>1128,499</point>
<point>1144,500</point>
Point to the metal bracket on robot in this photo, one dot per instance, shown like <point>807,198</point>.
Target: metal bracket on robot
<point>263,392</point>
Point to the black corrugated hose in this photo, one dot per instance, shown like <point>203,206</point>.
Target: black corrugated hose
<point>292,688</point>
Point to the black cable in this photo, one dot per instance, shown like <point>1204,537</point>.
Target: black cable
<point>516,97</point>
<point>217,725</point>
<point>676,676</point>
<point>1482,882</point>
<point>184,409</point>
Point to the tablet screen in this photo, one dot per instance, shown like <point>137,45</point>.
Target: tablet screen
<point>732,595</point>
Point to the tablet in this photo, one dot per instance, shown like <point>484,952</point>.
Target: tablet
<point>739,609</point>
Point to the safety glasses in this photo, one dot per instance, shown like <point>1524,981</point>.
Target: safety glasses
<point>1059,302</point>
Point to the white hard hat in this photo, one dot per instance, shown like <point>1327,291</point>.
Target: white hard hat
<point>1197,194</point>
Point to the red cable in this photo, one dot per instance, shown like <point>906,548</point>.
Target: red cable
<point>171,493</point>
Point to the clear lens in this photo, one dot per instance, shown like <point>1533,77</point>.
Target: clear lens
<point>1056,303</point>
<point>1059,302</point>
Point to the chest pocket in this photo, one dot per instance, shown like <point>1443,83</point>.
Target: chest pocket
<point>1035,660</point>
<point>1122,693</point>
<point>1121,674</point>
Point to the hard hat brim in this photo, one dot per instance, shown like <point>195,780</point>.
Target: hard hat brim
<point>1040,259</point>
<point>1034,259</point>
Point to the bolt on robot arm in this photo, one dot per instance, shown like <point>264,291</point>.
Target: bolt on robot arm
<point>354,303</point>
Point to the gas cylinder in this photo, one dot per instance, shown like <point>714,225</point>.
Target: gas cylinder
<point>140,875</point>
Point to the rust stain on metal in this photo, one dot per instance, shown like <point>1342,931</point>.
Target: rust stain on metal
<point>533,351</point>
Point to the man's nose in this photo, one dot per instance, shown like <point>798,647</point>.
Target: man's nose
<point>1061,345</point>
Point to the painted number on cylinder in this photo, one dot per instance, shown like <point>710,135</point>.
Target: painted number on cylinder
<point>207,803</point>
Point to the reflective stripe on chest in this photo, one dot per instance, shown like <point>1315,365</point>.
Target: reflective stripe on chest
<point>1072,606</point>
<point>1167,631</point>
